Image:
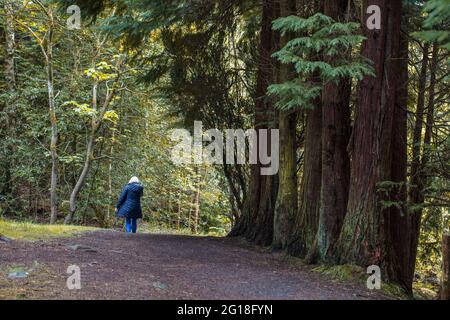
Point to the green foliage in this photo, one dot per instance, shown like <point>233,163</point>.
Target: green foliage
<point>436,24</point>
<point>429,259</point>
<point>296,93</point>
<point>389,190</point>
<point>323,53</point>
<point>438,11</point>
<point>134,136</point>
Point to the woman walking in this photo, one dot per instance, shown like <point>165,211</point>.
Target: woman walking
<point>129,204</point>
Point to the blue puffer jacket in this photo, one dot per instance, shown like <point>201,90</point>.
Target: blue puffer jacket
<point>129,204</point>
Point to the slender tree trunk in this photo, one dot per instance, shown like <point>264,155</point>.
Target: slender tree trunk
<point>53,121</point>
<point>414,192</point>
<point>335,159</point>
<point>256,221</point>
<point>110,169</point>
<point>189,218</point>
<point>81,179</point>
<point>179,211</point>
<point>196,210</point>
<point>287,200</point>
<point>197,202</point>
<point>234,190</point>
<point>430,106</point>
<point>87,162</point>
<point>10,74</point>
<point>96,122</point>
<point>445,286</point>
<point>10,46</point>
<point>363,240</point>
<point>419,180</point>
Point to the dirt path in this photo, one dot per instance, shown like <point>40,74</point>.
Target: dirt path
<point>148,266</point>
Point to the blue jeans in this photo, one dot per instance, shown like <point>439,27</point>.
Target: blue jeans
<point>131,225</point>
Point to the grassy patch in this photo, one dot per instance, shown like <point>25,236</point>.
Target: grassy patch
<point>154,228</point>
<point>145,227</point>
<point>31,232</point>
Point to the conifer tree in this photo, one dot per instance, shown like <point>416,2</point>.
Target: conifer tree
<point>319,63</point>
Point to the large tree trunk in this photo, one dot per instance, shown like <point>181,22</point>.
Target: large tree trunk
<point>256,221</point>
<point>335,159</point>
<point>306,221</point>
<point>286,204</point>
<point>363,240</point>
<point>398,222</point>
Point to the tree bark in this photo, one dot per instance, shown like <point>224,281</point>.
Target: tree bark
<point>414,192</point>
<point>335,159</point>
<point>53,120</point>
<point>197,202</point>
<point>306,221</point>
<point>256,221</point>
<point>287,201</point>
<point>110,170</point>
<point>430,106</point>
<point>10,46</point>
<point>235,191</point>
<point>96,123</point>
<point>10,74</point>
<point>419,179</point>
<point>398,222</point>
<point>179,211</point>
<point>445,286</point>
<point>363,240</point>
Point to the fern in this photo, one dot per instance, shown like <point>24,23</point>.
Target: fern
<point>292,94</point>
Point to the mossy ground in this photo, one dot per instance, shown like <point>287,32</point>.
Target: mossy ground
<point>31,232</point>
<point>354,273</point>
<point>344,272</point>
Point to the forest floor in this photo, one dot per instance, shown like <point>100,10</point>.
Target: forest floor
<point>115,265</point>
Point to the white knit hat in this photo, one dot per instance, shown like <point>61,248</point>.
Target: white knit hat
<point>134,180</point>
